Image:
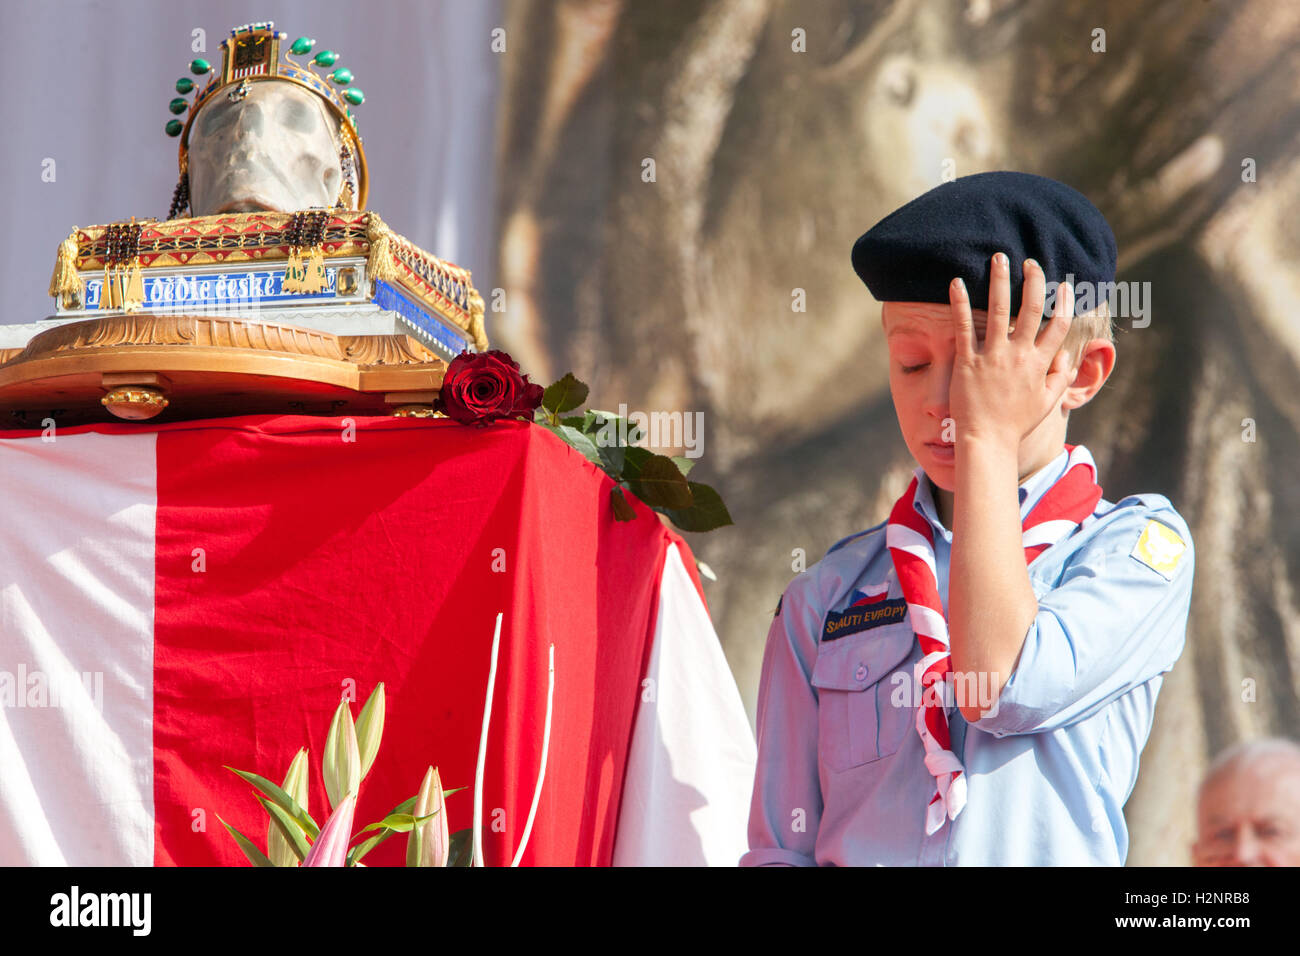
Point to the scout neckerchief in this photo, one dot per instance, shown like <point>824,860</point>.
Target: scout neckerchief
<point>911,544</point>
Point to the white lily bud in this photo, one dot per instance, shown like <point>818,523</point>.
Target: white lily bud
<point>370,729</point>
<point>295,785</point>
<point>429,844</point>
<point>341,766</point>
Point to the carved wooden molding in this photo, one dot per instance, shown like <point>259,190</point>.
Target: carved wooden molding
<point>181,330</point>
<point>385,350</point>
<point>213,364</point>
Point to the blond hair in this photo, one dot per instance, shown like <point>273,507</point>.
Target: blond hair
<point>1087,327</point>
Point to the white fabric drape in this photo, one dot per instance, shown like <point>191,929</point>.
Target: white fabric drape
<point>691,767</point>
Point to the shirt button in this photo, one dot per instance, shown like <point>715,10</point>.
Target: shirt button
<point>862,672</point>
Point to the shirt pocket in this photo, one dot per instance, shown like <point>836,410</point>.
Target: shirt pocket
<point>857,722</point>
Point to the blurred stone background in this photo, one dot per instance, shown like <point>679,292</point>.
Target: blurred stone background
<point>677,294</point>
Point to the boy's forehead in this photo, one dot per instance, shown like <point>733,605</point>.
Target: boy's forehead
<point>924,318</point>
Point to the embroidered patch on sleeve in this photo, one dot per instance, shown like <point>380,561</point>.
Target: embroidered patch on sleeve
<point>1160,548</point>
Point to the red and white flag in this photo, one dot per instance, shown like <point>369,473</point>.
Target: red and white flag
<point>179,597</point>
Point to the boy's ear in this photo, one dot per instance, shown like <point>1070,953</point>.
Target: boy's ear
<point>1096,362</point>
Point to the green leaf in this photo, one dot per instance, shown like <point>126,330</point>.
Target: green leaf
<point>612,455</point>
<point>705,514</point>
<point>565,395</point>
<point>577,440</point>
<point>255,856</point>
<point>460,848</point>
<point>617,424</point>
<point>361,849</point>
<point>660,484</point>
<point>370,728</point>
<point>684,465</point>
<point>581,422</point>
<point>399,822</point>
<point>623,510</point>
<point>288,828</point>
<point>282,800</point>
<point>600,438</point>
<point>636,459</point>
<point>583,443</point>
<point>406,806</point>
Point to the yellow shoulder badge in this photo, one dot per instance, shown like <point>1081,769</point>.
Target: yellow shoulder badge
<point>1159,548</point>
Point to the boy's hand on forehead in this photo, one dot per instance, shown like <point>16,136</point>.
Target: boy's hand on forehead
<point>1004,386</point>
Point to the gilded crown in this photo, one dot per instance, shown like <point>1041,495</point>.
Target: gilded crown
<point>252,53</point>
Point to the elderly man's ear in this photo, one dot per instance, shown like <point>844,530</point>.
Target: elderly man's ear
<point>1096,362</point>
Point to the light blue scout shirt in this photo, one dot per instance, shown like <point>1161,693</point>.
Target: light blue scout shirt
<point>841,778</point>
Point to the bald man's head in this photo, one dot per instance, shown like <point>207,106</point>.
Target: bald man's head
<point>1248,807</point>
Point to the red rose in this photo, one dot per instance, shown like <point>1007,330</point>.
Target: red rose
<point>481,387</point>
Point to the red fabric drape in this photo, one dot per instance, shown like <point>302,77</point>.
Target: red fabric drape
<point>298,557</point>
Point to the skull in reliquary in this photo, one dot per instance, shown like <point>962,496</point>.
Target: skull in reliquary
<point>273,147</point>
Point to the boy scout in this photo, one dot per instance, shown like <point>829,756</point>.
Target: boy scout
<point>971,682</point>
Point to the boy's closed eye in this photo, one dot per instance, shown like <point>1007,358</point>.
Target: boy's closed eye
<point>910,356</point>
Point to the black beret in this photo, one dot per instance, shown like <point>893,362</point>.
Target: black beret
<point>954,229</point>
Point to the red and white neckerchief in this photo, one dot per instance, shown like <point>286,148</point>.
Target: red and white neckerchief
<point>910,540</point>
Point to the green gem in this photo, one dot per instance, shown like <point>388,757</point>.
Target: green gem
<point>174,127</point>
<point>302,45</point>
<point>178,105</point>
<point>354,96</point>
<point>184,85</point>
<point>325,58</point>
<point>200,66</point>
<point>342,76</point>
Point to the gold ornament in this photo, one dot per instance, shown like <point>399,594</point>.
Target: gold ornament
<point>293,272</point>
<point>65,280</point>
<point>133,297</point>
<point>135,402</point>
<point>315,278</point>
<point>111,297</point>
